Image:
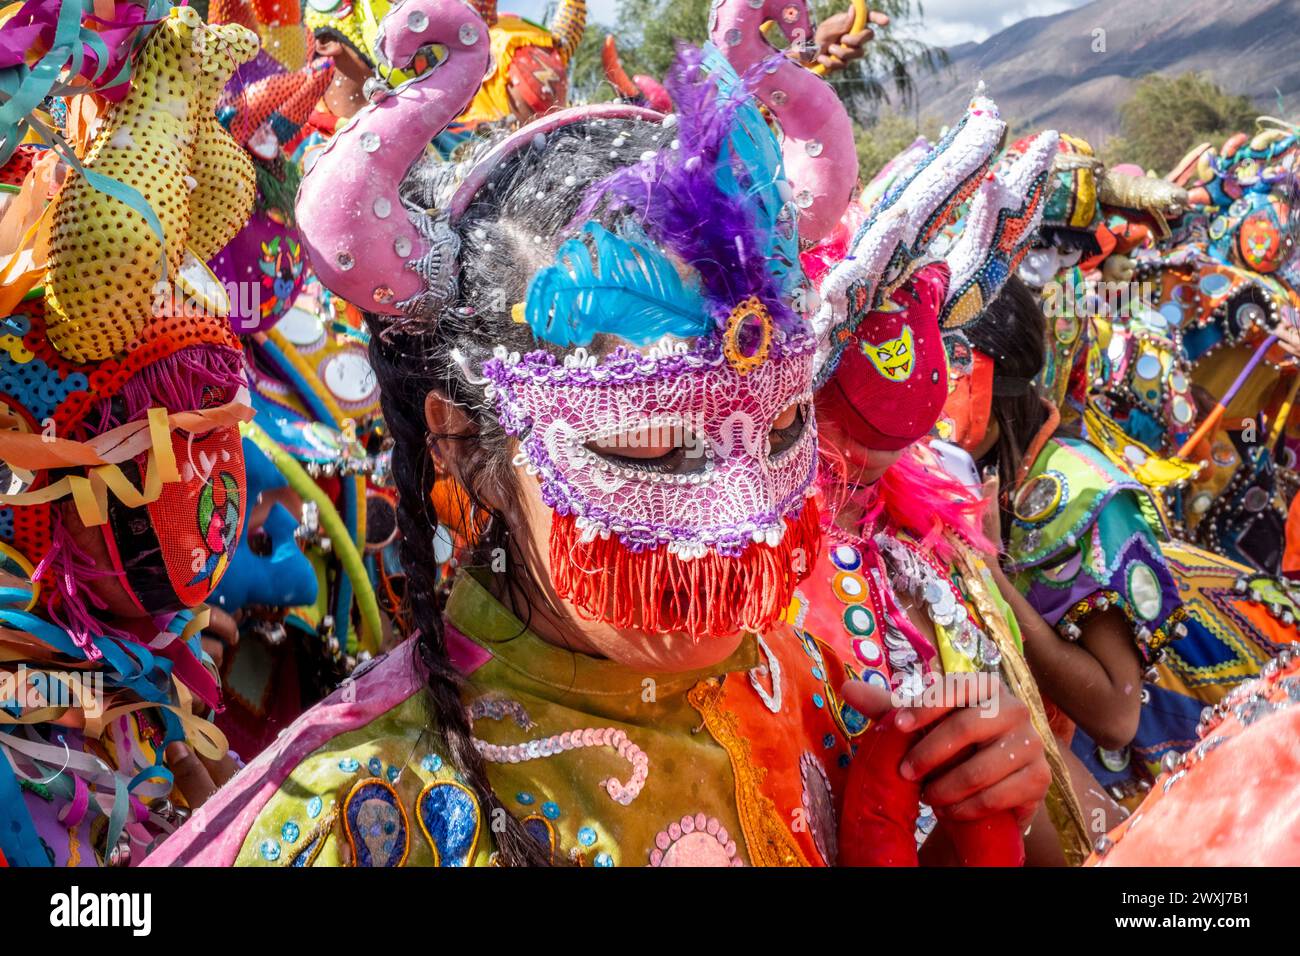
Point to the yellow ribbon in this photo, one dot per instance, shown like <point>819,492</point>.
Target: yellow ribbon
<point>90,492</point>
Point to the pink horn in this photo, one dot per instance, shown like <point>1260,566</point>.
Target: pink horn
<point>656,96</point>
<point>820,159</point>
<point>357,234</point>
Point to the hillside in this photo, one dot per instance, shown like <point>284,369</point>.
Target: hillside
<point>1044,72</point>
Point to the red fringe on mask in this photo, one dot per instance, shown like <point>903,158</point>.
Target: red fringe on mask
<point>660,593</point>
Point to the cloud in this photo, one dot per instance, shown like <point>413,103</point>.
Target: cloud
<point>950,22</point>
<point>598,11</point>
<point>947,22</point>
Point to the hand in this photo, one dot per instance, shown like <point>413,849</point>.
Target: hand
<point>221,634</point>
<point>975,760</point>
<point>1288,336</point>
<point>196,776</point>
<point>836,47</point>
<point>992,510</point>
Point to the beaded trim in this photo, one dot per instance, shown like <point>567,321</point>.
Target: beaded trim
<point>772,669</point>
<point>1149,642</point>
<point>622,364</point>
<point>699,823</point>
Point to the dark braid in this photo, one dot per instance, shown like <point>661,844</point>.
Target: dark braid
<point>413,471</point>
<point>436,348</point>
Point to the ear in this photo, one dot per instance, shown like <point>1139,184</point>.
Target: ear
<point>449,427</point>
<point>442,416</point>
<point>457,451</point>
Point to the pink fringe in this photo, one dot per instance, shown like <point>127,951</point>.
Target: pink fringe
<point>914,496</point>
<point>66,569</point>
<point>177,383</point>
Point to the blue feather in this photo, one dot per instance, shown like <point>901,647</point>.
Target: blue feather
<point>751,166</point>
<point>628,288</point>
<point>752,150</point>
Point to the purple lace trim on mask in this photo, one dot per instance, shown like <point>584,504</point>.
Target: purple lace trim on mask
<point>625,365</point>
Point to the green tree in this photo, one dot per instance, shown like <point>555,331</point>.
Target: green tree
<point>1166,116</point>
<point>888,135</point>
<point>648,31</point>
<point>586,69</point>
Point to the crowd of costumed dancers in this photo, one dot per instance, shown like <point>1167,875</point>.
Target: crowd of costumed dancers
<point>404,463</point>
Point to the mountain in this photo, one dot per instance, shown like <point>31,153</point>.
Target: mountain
<point>1072,70</point>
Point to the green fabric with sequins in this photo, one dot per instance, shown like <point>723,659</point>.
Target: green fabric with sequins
<point>1073,491</point>
<point>1085,539</point>
<point>567,728</point>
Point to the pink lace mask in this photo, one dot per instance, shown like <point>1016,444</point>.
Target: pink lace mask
<point>714,548</point>
<point>734,488</point>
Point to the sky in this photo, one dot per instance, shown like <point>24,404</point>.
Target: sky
<point>947,22</point>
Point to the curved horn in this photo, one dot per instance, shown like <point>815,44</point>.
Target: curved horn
<point>895,240</point>
<point>614,71</point>
<point>1000,227</point>
<point>356,231</point>
<point>820,159</point>
<point>653,92</point>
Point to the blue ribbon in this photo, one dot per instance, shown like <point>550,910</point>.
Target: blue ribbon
<point>18,838</point>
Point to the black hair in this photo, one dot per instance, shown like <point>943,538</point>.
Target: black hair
<point>1013,332</point>
<point>480,268</point>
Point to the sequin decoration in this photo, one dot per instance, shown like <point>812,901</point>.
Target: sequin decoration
<point>544,747</point>
<point>819,808</point>
<point>431,763</point>
<point>451,820</point>
<point>1039,498</point>
<point>1144,591</point>
<point>849,587</point>
<point>543,831</point>
<point>859,620</point>
<point>697,840</point>
<point>846,557</point>
<point>376,824</point>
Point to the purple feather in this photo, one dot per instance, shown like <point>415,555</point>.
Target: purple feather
<point>678,201</point>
